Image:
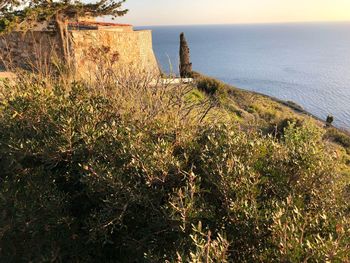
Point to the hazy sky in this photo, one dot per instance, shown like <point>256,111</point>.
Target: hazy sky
<point>179,12</point>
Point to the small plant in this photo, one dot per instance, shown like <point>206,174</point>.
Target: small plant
<point>102,63</point>
<point>209,85</point>
<point>340,137</point>
<point>329,120</point>
<point>207,248</point>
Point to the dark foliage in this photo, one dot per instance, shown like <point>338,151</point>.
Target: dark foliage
<point>209,85</point>
<point>185,64</point>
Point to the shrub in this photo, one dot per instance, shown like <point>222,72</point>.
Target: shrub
<point>130,175</point>
<point>338,137</point>
<point>329,120</point>
<point>279,129</point>
<point>209,85</point>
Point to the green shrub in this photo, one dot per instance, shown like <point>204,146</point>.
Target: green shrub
<point>338,137</point>
<point>105,176</point>
<point>209,85</point>
<point>277,130</point>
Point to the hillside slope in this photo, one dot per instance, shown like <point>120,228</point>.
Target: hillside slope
<point>121,171</point>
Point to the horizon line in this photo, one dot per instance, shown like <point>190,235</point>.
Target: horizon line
<point>249,23</point>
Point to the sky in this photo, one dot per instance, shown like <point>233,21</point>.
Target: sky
<point>188,12</point>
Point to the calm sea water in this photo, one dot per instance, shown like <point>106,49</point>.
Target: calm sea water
<point>305,63</point>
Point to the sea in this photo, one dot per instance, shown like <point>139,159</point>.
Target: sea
<point>307,63</point>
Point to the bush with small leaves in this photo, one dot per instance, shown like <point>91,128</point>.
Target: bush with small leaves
<point>130,174</point>
<point>329,120</point>
<point>209,85</point>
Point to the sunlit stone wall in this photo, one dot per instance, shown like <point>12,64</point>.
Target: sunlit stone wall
<point>118,47</point>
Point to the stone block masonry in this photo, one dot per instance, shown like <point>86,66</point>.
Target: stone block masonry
<point>134,49</point>
<point>28,50</point>
<point>130,49</point>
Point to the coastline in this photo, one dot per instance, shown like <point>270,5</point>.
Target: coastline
<point>290,104</point>
<point>298,109</point>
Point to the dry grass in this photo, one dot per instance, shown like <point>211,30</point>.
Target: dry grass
<point>7,75</point>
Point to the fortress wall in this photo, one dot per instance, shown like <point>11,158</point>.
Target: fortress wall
<point>134,49</point>
<point>28,50</point>
<point>148,58</point>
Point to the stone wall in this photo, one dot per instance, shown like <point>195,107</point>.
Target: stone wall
<point>28,50</point>
<point>133,49</point>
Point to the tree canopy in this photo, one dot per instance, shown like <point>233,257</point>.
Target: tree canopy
<point>185,64</point>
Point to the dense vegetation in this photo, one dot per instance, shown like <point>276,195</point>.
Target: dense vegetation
<point>132,172</point>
